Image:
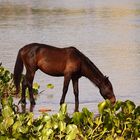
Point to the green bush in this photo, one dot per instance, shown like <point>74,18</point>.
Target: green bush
<point>120,122</point>
<point>6,84</point>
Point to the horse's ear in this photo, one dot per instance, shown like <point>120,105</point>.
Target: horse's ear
<point>106,79</point>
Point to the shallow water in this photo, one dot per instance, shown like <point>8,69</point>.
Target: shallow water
<point>108,32</point>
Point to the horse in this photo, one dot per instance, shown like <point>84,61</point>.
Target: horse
<point>68,62</point>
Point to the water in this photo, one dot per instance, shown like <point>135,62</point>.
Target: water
<point>108,32</point>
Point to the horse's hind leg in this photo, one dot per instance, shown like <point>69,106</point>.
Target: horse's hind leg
<point>30,78</point>
<point>27,82</point>
<point>24,86</point>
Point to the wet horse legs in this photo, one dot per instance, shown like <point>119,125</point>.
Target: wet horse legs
<point>76,93</point>
<point>27,82</point>
<point>67,79</point>
<point>65,88</point>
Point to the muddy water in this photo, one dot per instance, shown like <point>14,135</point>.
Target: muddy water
<point>107,32</point>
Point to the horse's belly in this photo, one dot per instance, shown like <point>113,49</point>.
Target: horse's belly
<point>53,70</point>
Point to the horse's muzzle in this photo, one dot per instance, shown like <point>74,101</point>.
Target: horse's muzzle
<point>113,100</point>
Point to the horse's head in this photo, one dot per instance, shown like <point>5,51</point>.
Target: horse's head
<point>106,90</point>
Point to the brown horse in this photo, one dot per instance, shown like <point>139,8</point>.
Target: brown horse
<point>68,62</point>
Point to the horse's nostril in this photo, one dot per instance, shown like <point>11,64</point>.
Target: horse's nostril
<point>113,100</point>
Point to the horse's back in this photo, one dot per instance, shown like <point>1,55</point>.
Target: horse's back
<point>56,61</point>
<point>38,47</point>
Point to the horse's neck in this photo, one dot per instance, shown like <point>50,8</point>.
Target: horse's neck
<point>93,74</point>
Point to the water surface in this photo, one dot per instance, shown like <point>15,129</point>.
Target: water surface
<point>108,32</point>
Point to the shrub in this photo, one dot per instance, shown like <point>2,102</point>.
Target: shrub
<point>120,122</point>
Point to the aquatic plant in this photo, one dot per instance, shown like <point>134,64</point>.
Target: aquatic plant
<point>7,86</point>
<point>120,122</point>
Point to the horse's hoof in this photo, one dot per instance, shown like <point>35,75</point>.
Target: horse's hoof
<point>61,102</point>
<point>32,108</point>
<point>76,110</point>
<point>32,103</point>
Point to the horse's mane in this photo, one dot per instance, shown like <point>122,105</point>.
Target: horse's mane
<point>90,63</point>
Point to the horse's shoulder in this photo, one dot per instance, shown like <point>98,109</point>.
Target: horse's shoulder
<point>73,50</point>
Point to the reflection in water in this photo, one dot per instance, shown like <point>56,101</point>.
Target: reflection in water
<point>24,109</point>
<point>106,31</point>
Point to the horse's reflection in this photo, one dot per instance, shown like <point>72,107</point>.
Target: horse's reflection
<point>24,108</point>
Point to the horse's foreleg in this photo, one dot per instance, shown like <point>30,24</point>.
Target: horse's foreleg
<point>65,88</point>
<point>76,93</point>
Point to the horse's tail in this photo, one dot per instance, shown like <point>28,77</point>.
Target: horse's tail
<point>18,69</point>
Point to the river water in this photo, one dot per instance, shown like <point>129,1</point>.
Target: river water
<point>108,32</point>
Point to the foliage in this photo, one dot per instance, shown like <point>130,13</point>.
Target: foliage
<point>6,85</point>
<point>120,122</point>
<point>50,86</point>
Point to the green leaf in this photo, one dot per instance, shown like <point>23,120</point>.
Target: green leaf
<point>116,122</point>
<point>62,125</point>
<point>7,122</point>
<point>117,105</point>
<point>36,86</point>
<point>87,113</point>
<point>137,111</point>
<point>4,137</point>
<point>49,132</point>
<point>103,105</point>
<point>30,119</point>
<point>4,101</point>
<point>50,86</point>
<point>109,138</point>
<point>63,109</point>
<point>77,118</point>
<point>7,111</point>
<point>55,124</point>
<point>10,100</point>
<point>121,116</point>
<point>46,118</point>
<point>136,132</point>
<point>23,129</point>
<point>120,138</point>
<point>72,132</point>
<point>128,106</point>
<point>16,125</point>
<point>98,121</point>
